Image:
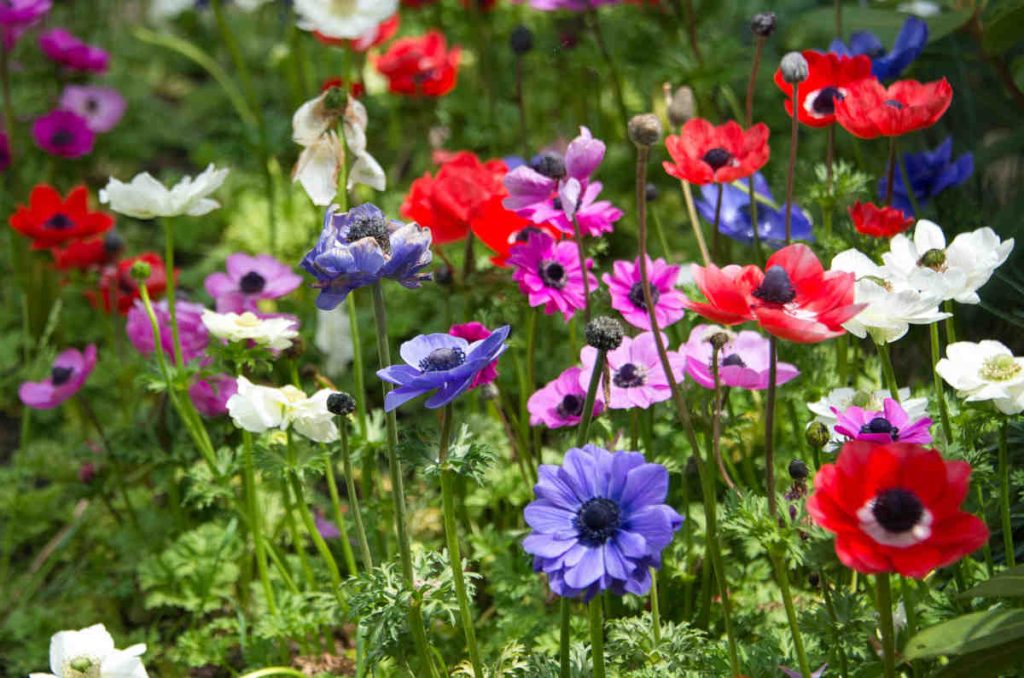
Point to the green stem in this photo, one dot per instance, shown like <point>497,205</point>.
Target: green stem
<point>171,284</point>
<point>884,602</point>
<point>716,237</point>
<point>452,541</point>
<point>596,616</point>
<point>339,518</point>
<point>5,92</point>
<point>909,606</point>
<point>588,403</point>
<point>1004,495</point>
<point>353,497</point>
<point>314,534</point>
<point>950,323</point>
<point>758,250</point>
<point>940,395</point>
<point>255,521</point>
<point>906,185</point>
<point>578,235</point>
<point>655,608</point>
<point>565,612</point>
<point>274,671</point>
<point>787,600</point>
<point>293,531</point>
<point>416,624</point>
<point>357,362</point>
<point>891,171</point>
<point>887,371</point>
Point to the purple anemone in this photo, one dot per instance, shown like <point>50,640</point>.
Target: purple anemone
<point>64,134</point>
<point>248,280</point>
<point>210,394</point>
<point>891,425</point>
<point>595,217</point>
<point>626,288</point>
<point>68,374</point>
<point>560,402</point>
<point>743,360</point>
<point>5,152</point>
<point>441,363</point>
<point>549,273</point>
<point>637,378</point>
<point>192,333</point>
<point>65,49</point>
<point>600,522</point>
<point>101,107</point>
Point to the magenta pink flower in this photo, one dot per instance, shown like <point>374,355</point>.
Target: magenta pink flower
<point>210,395</point>
<point>16,16</point>
<point>549,274</point>
<point>5,152</point>
<point>248,280</point>
<point>65,49</point>
<point>64,134</point>
<point>624,284</point>
<point>594,216</point>
<point>191,330</point>
<point>637,378</point>
<point>743,361</point>
<point>890,425</point>
<point>69,372</point>
<point>471,332</point>
<point>101,107</point>
<point>560,402</point>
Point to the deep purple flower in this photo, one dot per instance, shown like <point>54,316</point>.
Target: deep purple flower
<point>442,363</point>
<point>248,280</point>
<point>909,43</point>
<point>743,361</point>
<point>560,402</point>
<point>891,425</point>
<point>70,370</point>
<point>64,134</point>
<point>16,16</point>
<point>210,394</point>
<point>637,378</point>
<point>626,288</point>
<point>191,331</point>
<point>930,173</point>
<point>600,522</point>
<point>362,246</point>
<point>474,331</point>
<point>5,152</point>
<point>549,273</point>
<point>102,107</point>
<point>65,49</point>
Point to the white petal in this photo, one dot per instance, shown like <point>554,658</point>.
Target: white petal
<point>318,167</point>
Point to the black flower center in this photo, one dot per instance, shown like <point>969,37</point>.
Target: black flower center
<point>113,243</point>
<point>895,104</point>
<point>553,274</point>
<point>60,375</point>
<point>824,102</point>
<point>550,164</point>
<point>92,105</point>
<point>252,282</point>
<point>557,203</point>
<point>717,158</point>
<point>597,520</point>
<point>897,510</point>
<point>524,234</point>
<point>776,288</point>
<point>62,137</point>
<point>59,222</point>
<point>628,376</point>
<point>881,425</point>
<point>733,359</point>
<point>636,295</point>
<point>571,406</point>
<point>442,359</point>
<point>370,226</point>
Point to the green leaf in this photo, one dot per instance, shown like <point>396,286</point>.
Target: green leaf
<point>1006,584</point>
<point>886,24</point>
<point>1004,30</point>
<point>968,633</point>
<point>988,662</point>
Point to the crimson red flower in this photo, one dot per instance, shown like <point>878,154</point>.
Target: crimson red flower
<point>703,153</point>
<point>380,34</point>
<point>879,222</point>
<point>896,508</point>
<point>420,66</point>
<point>87,254</point>
<point>873,110</point>
<point>829,78</point>
<point>118,288</point>
<point>795,299</point>
<point>448,202</point>
<point>51,221</point>
<point>356,89</point>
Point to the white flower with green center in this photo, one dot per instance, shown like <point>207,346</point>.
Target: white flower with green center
<point>955,272</point>
<point>276,334</point>
<point>257,409</point>
<point>343,19</point>
<point>90,653</point>
<point>982,371</point>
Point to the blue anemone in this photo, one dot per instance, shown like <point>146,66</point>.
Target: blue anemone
<point>735,221</point>
<point>930,173</point>
<point>889,65</point>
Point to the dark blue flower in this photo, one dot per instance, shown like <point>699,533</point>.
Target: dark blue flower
<point>600,522</point>
<point>735,221</point>
<point>930,173</point>
<point>361,247</point>
<point>887,65</point>
<point>442,363</point>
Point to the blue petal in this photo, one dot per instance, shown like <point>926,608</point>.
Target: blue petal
<point>645,485</point>
<point>419,348</point>
<point>449,392</point>
<point>909,43</point>
<point>589,569</point>
<point>401,396</point>
<point>866,42</point>
<point>546,518</point>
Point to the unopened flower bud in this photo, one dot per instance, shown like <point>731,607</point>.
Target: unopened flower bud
<point>489,392</point>
<point>817,435</point>
<point>604,333</point>
<point>443,275</point>
<point>341,404</point>
<point>798,470</point>
<point>644,129</point>
<point>520,41</point>
<point>794,68</point>
<point>719,339</point>
<point>141,270</point>
<point>336,98</point>
<point>683,107</point>
<point>113,244</point>
<point>763,24</point>
<point>651,191</point>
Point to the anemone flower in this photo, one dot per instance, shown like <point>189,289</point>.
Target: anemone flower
<point>475,331</point>
<point>90,652</point>
<point>249,280</point>
<point>51,220</point>
<point>930,173</point>
<point>549,274</point>
<point>146,198</point>
<point>66,50</point>
<point>192,333</point>
<point>70,370</point>
<point>626,289</point>
<point>560,402</point>
<point>101,107</point>
<point>982,371</point>
<point>734,218</point>
<point>743,360</point>
<point>891,425</point>
<point>600,522</point>
<point>637,377</point>
<point>64,134</point>
<point>343,20</point>
<point>885,65</point>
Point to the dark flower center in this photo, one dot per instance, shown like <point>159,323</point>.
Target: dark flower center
<point>442,359</point>
<point>897,510</point>
<point>370,226</point>
<point>553,274</point>
<point>113,243</point>
<point>550,164</point>
<point>92,105</point>
<point>636,295</point>
<point>733,359</point>
<point>597,520</point>
<point>557,203</point>
<point>881,425</point>
<point>62,137</point>
<point>717,158</point>
<point>60,375</point>
<point>776,288</point>
<point>524,234</point>
<point>571,406</point>
<point>252,282</point>
<point>824,102</point>
<point>895,104</point>
<point>59,222</point>
<point>628,376</point>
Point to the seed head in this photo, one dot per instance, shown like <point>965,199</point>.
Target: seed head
<point>520,41</point>
<point>682,107</point>
<point>604,333</point>
<point>341,404</point>
<point>798,470</point>
<point>794,68</point>
<point>141,270</point>
<point>763,24</point>
<point>817,435</point>
<point>644,129</point>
